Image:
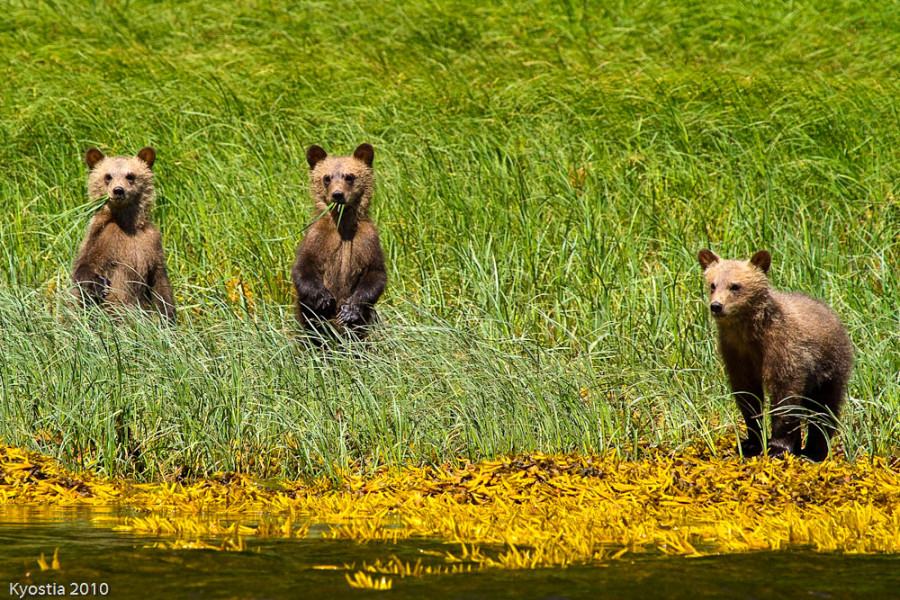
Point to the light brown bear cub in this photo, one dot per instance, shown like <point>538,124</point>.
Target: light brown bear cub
<point>121,261</point>
<point>339,274</point>
<point>788,344</point>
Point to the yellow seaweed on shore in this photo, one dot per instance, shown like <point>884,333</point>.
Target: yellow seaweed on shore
<point>516,512</point>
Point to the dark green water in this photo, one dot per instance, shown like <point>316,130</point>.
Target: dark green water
<point>276,568</point>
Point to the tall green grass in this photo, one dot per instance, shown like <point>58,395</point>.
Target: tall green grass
<point>546,173</point>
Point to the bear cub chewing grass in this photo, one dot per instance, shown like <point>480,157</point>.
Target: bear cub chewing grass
<point>121,261</point>
<point>339,273</point>
<point>788,345</point>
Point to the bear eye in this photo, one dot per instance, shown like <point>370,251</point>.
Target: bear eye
<point>734,287</point>
<point>712,287</point>
<point>327,179</point>
<point>350,178</point>
<point>108,178</point>
<point>130,177</point>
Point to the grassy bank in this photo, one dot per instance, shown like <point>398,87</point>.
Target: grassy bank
<point>546,174</point>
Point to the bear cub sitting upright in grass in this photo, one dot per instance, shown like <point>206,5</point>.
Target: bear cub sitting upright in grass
<point>788,344</point>
<point>339,273</point>
<point>121,261</point>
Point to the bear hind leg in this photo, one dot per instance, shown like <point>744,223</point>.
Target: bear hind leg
<point>823,409</point>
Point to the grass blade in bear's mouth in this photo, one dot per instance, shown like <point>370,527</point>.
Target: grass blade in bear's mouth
<point>321,214</point>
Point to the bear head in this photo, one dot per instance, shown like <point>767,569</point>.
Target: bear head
<point>126,180</point>
<point>736,287</point>
<point>347,181</point>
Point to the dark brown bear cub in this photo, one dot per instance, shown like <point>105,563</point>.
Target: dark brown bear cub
<point>121,261</point>
<point>787,344</point>
<point>339,274</point>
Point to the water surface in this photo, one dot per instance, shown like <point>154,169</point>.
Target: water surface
<point>91,552</point>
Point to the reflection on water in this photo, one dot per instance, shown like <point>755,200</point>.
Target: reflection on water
<point>91,552</point>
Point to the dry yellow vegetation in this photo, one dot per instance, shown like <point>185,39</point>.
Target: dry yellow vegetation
<point>519,512</point>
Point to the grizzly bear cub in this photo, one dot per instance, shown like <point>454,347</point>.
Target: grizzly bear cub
<point>121,261</point>
<point>788,344</point>
<point>339,273</point>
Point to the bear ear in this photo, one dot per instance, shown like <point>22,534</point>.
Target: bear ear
<point>762,260</point>
<point>148,155</point>
<point>92,157</point>
<point>365,153</point>
<point>707,258</point>
<point>315,155</point>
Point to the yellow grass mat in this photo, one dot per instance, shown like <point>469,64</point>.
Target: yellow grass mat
<point>519,512</point>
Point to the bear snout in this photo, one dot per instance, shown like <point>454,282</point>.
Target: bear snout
<point>118,191</point>
<point>338,196</point>
<point>716,308</point>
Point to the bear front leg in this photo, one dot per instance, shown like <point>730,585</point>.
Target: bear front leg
<point>91,285</point>
<point>750,405</point>
<point>786,435</point>
<point>313,298</point>
<point>747,389</point>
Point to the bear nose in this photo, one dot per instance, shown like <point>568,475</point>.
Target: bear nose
<point>337,196</point>
<point>716,308</point>
<point>118,191</point>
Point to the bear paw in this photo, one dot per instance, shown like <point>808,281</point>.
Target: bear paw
<point>778,449</point>
<point>351,316</point>
<point>750,447</point>
<point>97,287</point>
<point>326,305</point>
<point>320,306</point>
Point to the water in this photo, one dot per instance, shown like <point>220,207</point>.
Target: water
<point>90,552</point>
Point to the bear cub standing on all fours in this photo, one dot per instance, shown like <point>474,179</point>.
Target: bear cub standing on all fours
<point>339,273</point>
<point>121,261</point>
<point>788,344</point>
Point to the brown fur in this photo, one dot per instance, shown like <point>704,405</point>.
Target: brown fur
<point>787,344</point>
<point>121,261</point>
<point>339,274</point>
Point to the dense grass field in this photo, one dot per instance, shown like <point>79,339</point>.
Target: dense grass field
<point>546,173</point>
